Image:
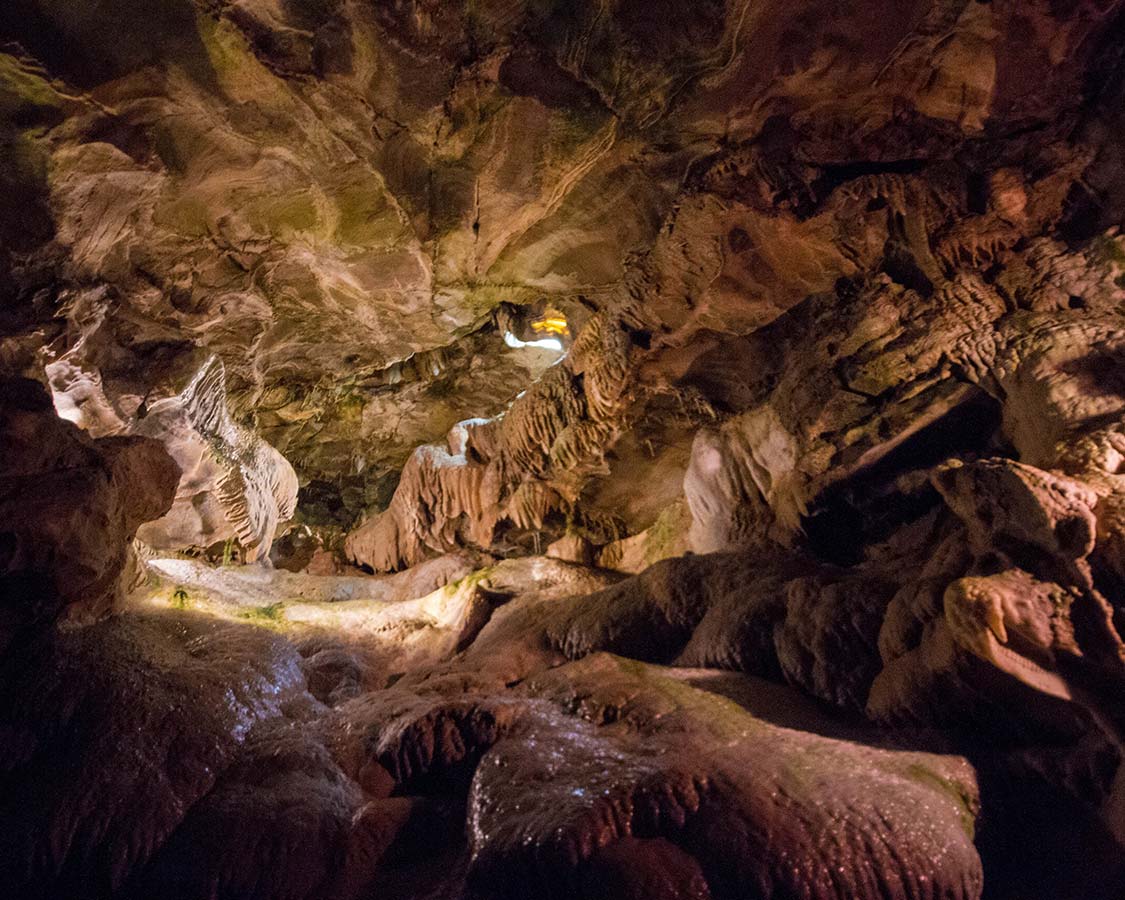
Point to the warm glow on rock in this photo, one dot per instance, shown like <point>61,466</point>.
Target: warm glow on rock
<point>509,449</point>
<point>551,325</point>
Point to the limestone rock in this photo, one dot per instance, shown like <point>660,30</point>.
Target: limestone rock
<point>791,333</point>
<point>71,506</point>
<point>235,485</point>
<point>144,713</point>
<point>999,499</point>
<point>341,202</point>
<point>498,473</point>
<point>752,807</point>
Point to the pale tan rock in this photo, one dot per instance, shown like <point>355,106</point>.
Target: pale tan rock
<point>498,473</point>
<point>235,485</point>
<point>570,548</point>
<point>1000,498</point>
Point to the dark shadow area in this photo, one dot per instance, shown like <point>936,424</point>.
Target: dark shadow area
<point>25,213</point>
<point>1037,843</point>
<point>1099,373</point>
<point>91,42</point>
<point>539,76</point>
<point>868,507</point>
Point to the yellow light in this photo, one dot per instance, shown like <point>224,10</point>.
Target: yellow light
<point>550,325</point>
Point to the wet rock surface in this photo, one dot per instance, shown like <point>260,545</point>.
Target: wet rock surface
<point>284,767</point>
<point>690,438</point>
<point>585,776</point>
<point>146,711</point>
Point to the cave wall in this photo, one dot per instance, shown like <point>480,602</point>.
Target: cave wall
<point>795,569</point>
<point>336,200</point>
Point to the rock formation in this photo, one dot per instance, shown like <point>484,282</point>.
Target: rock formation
<point>70,507</point>
<point>700,430</point>
<point>516,470</point>
<point>234,486</point>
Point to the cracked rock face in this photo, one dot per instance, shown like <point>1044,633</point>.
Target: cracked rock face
<point>690,438</point>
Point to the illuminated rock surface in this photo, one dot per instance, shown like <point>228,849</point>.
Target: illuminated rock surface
<point>636,450</point>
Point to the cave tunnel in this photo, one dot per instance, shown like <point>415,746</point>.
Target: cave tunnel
<point>507,449</point>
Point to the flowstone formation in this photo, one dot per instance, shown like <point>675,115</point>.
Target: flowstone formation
<point>505,449</point>
<point>234,486</point>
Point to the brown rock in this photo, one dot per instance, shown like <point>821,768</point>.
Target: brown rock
<point>72,505</point>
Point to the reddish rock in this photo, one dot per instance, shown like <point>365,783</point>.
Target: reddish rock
<point>71,505</point>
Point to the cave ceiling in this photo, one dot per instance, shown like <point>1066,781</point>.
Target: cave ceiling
<point>502,448</point>
<point>350,204</point>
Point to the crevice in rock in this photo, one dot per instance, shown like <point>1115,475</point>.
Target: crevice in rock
<point>870,505</point>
